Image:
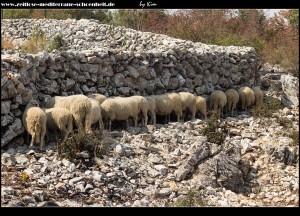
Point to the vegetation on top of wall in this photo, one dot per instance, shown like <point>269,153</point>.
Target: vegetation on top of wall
<point>276,39</point>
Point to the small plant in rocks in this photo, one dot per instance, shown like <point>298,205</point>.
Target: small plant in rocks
<point>214,130</point>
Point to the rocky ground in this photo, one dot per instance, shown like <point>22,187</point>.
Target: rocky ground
<point>257,165</point>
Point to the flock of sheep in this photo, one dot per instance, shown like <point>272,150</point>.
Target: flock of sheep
<point>60,111</point>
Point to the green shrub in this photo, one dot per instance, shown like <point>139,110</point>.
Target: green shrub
<point>37,42</point>
<point>55,43</point>
<point>214,131</point>
<point>266,109</point>
<point>190,200</point>
<point>96,143</point>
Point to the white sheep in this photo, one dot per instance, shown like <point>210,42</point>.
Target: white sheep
<point>34,121</point>
<point>59,119</point>
<point>151,102</point>
<point>120,109</point>
<point>143,106</point>
<point>177,107</point>
<point>98,97</point>
<point>259,95</point>
<point>188,102</point>
<point>80,107</point>
<point>217,102</point>
<point>96,113</point>
<point>201,106</point>
<point>246,97</point>
<point>232,100</point>
<point>166,103</point>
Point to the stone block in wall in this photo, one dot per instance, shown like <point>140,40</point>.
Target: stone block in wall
<point>132,72</point>
<point>118,80</point>
<point>173,83</point>
<point>94,60</point>
<point>27,96</point>
<point>51,74</point>
<point>4,79</point>
<point>200,90</point>
<point>74,65</point>
<point>9,90</point>
<point>198,80</point>
<point>106,70</point>
<point>85,89</point>
<point>190,72</point>
<point>13,131</point>
<point>152,72</point>
<point>82,58</point>
<point>89,68</point>
<point>125,91</point>
<point>24,77</point>
<point>150,87</point>
<point>17,61</point>
<point>6,119</point>
<point>5,107</point>
<point>144,72</point>
<point>173,72</point>
<point>16,113</point>
<point>165,77</point>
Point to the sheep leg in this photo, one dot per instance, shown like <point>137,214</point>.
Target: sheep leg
<point>100,124</point>
<point>42,134</point>
<point>78,123</point>
<point>66,133</point>
<point>146,119</point>
<point>135,121</point>
<point>178,118</point>
<point>154,119</point>
<point>32,140</point>
<point>110,124</point>
<point>194,114</point>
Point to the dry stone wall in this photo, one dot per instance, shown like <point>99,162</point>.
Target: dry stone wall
<point>112,61</point>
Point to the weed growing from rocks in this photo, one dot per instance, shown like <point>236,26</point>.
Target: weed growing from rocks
<point>56,43</point>
<point>214,130</point>
<point>36,42</point>
<point>94,144</point>
<point>192,199</point>
<point>266,109</point>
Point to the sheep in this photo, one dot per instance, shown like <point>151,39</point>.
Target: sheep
<point>167,103</point>
<point>96,113</point>
<point>232,100</point>
<point>143,106</point>
<point>80,107</point>
<point>246,97</point>
<point>99,97</point>
<point>120,109</point>
<point>152,105</point>
<point>217,101</point>
<point>188,102</point>
<point>61,119</point>
<point>201,106</point>
<point>177,107</point>
<point>34,121</point>
<point>259,95</point>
